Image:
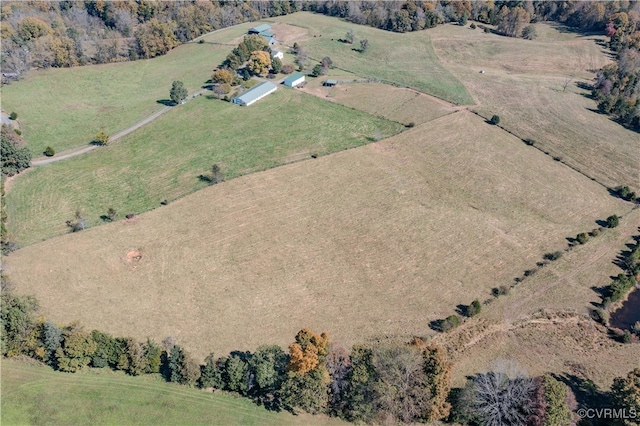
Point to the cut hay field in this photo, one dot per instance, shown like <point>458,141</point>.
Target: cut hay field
<point>65,108</point>
<point>162,160</point>
<point>393,103</point>
<point>378,240</point>
<point>33,394</point>
<point>523,84</point>
<point>564,339</point>
<point>406,59</point>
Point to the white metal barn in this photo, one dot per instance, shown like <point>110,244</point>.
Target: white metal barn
<point>255,93</point>
<point>294,79</point>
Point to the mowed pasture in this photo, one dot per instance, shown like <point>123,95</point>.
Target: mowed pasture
<point>378,240</point>
<point>511,327</point>
<point>406,59</point>
<point>35,394</point>
<point>65,108</point>
<point>404,106</point>
<point>162,160</point>
<point>523,82</point>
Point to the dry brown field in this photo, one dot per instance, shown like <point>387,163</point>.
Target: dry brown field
<point>523,82</point>
<point>544,322</point>
<point>393,103</point>
<point>376,240</point>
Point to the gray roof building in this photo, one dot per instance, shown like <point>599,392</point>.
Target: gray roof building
<point>259,29</point>
<point>255,93</point>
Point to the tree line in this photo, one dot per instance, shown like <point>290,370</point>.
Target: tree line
<point>78,32</point>
<point>617,86</point>
<point>377,382</point>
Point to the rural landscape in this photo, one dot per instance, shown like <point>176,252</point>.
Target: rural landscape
<point>320,212</point>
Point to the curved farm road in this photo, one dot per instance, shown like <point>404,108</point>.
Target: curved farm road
<point>75,153</point>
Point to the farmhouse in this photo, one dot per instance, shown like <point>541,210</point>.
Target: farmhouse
<point>277,54</point>
<point>294,79</point>
<point>255,93</point>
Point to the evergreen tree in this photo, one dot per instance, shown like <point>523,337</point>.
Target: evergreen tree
<point>178,92</point>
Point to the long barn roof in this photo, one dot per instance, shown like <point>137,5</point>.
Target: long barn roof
<point>256,91</point>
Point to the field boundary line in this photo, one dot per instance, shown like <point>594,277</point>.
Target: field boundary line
<point>556,159</point>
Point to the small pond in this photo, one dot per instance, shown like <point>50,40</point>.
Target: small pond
<point>628,314</point>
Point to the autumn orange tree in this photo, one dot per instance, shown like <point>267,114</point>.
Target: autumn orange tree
<point>222,76</point>
<point>307,377</point>
<point>259,62</point>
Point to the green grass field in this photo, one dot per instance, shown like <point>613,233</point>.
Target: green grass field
<point>406,59</point>
<point>65,108</point>
<point>163,159</point>
<point>33,394</point>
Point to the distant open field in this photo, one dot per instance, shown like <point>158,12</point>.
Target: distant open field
<point>406,59</point>
<point>574,344</point>
<point>163,159</point>
<point>377,240</point>
<point>66,107</point>
<point>33,394</point>
<point>523,84</point>
<point>398,104</point>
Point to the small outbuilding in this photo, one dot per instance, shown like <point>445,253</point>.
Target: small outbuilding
<point>294,79</point>
<point>260,28</point>
<point>277,54</point>
<point>330,83</point>
<point>255,93</point>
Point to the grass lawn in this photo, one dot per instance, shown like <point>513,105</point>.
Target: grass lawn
<point>163,159</point>
<point>65,108</point>
<point>377,240</point>
<point>33,394</point>
<point>523,83</point>
<point>406,59</point>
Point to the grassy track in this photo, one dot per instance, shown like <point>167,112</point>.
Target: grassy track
<point>377,240</point>
<point>35,394</point>
<point>407,59</point>
<point>163,159</point>
<point>65,108</point>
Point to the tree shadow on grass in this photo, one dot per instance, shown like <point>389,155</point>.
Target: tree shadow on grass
<point>205,178</point>
<point>166,102</point>
<point>588,396</point>
<point>462,310</point>
<point>436,325</point>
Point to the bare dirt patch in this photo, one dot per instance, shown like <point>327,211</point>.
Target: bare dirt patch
<point>287,34</point>
<point>134,256</point>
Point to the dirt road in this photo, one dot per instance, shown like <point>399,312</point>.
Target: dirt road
<point>48,160</point>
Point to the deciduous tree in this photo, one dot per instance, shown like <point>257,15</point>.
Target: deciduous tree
<point>259,62</point>
<point>222,76</point>
<point>154,38</point>
<point>76,350</point>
